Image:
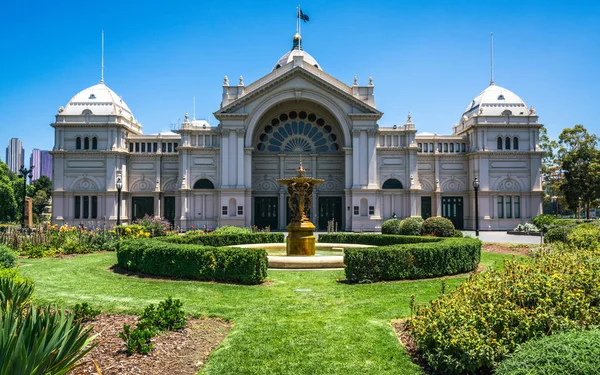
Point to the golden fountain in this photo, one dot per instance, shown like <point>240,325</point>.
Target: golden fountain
<point>301,237</point>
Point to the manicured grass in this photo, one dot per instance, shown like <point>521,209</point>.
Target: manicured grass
<point>300,323</point>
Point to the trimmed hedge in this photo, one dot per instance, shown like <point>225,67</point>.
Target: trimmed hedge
<point>160,258</point>
<point>391,226</point>
<point>412,261</point>
<point>374,239</point>
<point>573,353</point>
<point>411,226</point>
<point>438,226</point>
<point>226,239</point>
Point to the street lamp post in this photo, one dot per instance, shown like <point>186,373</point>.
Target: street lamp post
<point>476,187</point>
<point>119,187</point>
<point>23,173</point>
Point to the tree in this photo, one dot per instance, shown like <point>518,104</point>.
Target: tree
<point>44,184</point>
<point>580,162</point>
<point>8,204</point>
<point>551,167</point>
<point>39,202</point>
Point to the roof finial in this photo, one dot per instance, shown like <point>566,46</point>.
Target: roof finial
<point>102,74</point>
<point>492,59</point>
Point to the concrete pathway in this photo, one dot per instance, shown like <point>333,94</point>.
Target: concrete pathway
<point>503,237</point>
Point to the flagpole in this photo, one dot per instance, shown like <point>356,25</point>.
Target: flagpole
<point>299,31</point>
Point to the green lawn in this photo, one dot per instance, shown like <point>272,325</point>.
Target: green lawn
<point>301,323</point>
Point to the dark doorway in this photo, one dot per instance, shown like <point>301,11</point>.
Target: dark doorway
<point>425,207</point>
<point>330,208</point>
<point>141,206</point>
<point>170,210</point>
<point>265,212</point>
<point>452,208</point>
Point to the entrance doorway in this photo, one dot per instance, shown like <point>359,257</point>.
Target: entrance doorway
<point>170,210</point>
<point>425,207</point>
<point>142,206</point>
<point>452,208</point>
<point>265,212</point>
<point>330,208</point>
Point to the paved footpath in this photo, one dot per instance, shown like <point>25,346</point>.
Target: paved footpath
<point>501,237</point>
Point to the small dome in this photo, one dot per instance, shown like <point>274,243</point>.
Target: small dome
<point>496,101</point>
<point>296,51</point>
<point>100,100</point>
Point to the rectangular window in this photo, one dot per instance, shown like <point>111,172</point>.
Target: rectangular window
<point>508,208</point>
<point>77,207</point>
<point>451,147</point>
<point>457,149</point>
<point>86,207</point>
<point>517,207</point>
<point>163,147</point>
<point>223,209</point>
<point>131,147</point>
<point>169,147</point>
<point>175,147</point>
<point>425,147</point>
<point>439,147</point>
<point>431,147</point>
<point>463,147</point>
<point>137,147</point>
<point>240,210</point>
<point>445,147</point>
<point>371,210</point>
<point>500,208</point>
<point>149,147</point>
<point>94,207</point>
<point>420,146</point>
<point>356,210</point>
<point>143,147</point>
<point>154,147</point>
<point>200,141</point>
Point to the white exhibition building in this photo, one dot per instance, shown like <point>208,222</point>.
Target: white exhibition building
<point>203,175</point>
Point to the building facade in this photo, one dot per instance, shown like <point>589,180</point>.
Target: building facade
<point>203,175</point>
<point>15,155</point>
<point>42,162</point>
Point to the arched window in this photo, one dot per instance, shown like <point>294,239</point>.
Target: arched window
<point>78,143</point>
<point>515,143</point>
<point>204,183</point>
<point>86,143</point>
<point>363,207</point>
<point>392,183</point>
<point>507,143</point>
<point>94,143</point>
<point>232,204</point>
<point>499,143</point>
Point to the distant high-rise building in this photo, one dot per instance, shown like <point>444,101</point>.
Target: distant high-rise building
<point>42,162</point>
<point>15,155</point>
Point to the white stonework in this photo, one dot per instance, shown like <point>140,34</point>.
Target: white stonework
<point>205,175</point>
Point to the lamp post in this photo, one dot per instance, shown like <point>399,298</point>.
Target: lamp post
<point>476,187</point>
<point>119,187</point>
<point>23,173</point>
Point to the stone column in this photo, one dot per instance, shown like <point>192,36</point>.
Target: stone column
<point>348,167</point>
<point>224,158</point>
<point>364,160</point>
<point>248,168</point>
<point>313,165</point>
<point>372,152</point>
<point>240,158</point>
<point>355,159</point>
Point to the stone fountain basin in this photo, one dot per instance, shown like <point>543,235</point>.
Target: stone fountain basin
<point>328,256</point>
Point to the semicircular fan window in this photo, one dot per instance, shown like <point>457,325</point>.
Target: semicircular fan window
<point>298,132</point>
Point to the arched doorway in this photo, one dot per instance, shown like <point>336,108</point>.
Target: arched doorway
<point>286,134</point>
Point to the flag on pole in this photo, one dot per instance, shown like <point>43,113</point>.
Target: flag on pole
<point>302,16</point>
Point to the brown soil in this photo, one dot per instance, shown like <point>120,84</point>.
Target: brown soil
<point>175,353</point>
<point>513,249</point>
<point>406,339</point>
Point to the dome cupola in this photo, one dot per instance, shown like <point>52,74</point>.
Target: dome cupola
<point>496,101</point>
<point>100,100</point>
<point>296,51</point>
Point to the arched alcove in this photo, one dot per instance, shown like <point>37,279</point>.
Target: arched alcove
<point>392,183</point>
<point>203,183</point>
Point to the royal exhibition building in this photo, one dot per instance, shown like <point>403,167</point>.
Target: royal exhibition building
<point>203,175</point>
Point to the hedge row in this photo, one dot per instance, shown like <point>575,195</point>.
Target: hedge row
<point>374,239</point>
<point>155,257</point>
<point>412,261</point>
<point>226,239</point>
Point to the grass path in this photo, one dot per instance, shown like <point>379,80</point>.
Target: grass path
<point>301,323</point>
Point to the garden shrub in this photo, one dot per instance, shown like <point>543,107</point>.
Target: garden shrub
<point>137,340</point>
<point>226,239</point>
<point>8,258</point>
<point>391,226</point>
<point>458,234</point>
<point>472,328</point>
<point>161,258</point>
<point>544,222</point>
<point>438,226</point>
<point>230,229</point>
<point>84,312</point>
<point>412,261</point>
<point>558,234</point>
<point>167,316</point>
<point>411,226</point>
<point>373,239</point>
<point>156,227</point>
<point>585,236</point>
<point>572,353</point>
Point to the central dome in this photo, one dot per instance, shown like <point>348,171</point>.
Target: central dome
<point>100,100</point>
<point>296,51</point>
<point>495,101</point>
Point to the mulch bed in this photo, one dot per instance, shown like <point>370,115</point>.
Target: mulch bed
<point>175,353</point>
<point>406,339</point>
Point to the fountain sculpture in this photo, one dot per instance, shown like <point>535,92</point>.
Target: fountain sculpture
<point>301,238</point>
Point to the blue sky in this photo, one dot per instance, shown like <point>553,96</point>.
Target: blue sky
<point>429,58</point>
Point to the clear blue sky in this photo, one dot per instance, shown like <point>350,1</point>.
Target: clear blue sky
<point>429,58</point>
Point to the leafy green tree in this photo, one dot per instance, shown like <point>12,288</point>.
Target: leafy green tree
<point>43,183</point>
<point>580,162</point>
<point>8,204</point>
<point>40,200</point>
<point>551,167</point>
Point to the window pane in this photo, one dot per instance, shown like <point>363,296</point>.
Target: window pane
<point>94,207</point>
<point>445,147</point>
<point>86,143</point>
<point>223,209</point>
<point>499,145</point>
<point>77,207</point>
<point>371,210</point>
<point>169,147</point>
<point>507,143</point>
<point>516,205</point>
<point>356,210</point>
<point>420,146</point>
<point>500,207</point>
<point>240,210</point>
<point>439,147</point>
<point>451,147</point>
<point>457,147</point>
<point>86,207</point>
<point>143,147</point>
<point>78,143</point>
<point>175,147</point>
<point>137,147</point>
<point>508,208</point>
<point>431,147</point>
<point>131,147</point>
<point>515,143</point>
<point>154,147</point>
<point>163,147</point>
<point>463,147</point>
<point>94,143</point>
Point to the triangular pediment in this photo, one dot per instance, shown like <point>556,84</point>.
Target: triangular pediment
<point>297,77</point>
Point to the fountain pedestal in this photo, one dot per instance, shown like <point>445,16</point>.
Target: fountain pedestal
<point>301,239</point>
